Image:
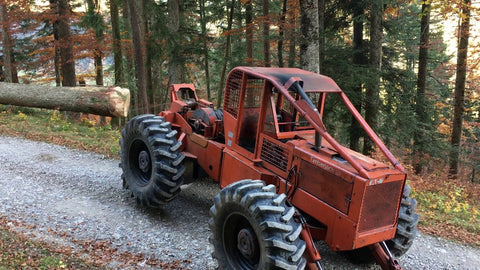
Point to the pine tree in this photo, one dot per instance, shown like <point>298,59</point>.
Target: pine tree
<point>309,49</point>
<point>459,106</point>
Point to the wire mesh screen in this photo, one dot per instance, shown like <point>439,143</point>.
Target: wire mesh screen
<point>232,93</point>
<point>274,154</point>
<point>380,205</point>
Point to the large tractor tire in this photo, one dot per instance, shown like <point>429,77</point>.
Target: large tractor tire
<point>150,159</point>
<point>253,228</point>
<point>407,225</point>
<point>404,237</point>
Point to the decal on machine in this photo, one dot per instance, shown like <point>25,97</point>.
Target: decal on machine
<point>373,182</point>
<point>322,165</point>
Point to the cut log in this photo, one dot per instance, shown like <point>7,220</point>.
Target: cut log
<point>106,101</point>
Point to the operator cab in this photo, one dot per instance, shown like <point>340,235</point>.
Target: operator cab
<point>282,120</point>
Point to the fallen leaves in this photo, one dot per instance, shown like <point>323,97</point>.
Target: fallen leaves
<point>18,249</point>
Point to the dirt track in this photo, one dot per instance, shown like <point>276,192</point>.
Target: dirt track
<point>75,199</point>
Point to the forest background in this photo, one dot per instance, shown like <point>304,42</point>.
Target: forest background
<point>410,67</point>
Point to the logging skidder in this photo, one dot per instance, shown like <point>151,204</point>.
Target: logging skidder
<point>309,186</point>
<point>99,100</point>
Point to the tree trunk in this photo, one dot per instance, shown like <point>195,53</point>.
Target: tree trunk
<point>266,34</point>
<point>281,34</point>
<point>249,31</point>
<point>227,55</point>
<point>203,19</point>
<point>64,42</point>
<point>129,57</point>
<point>459,106</point>
<point>6,44</point>
<point>372,100</point>
<point>420,104</point>
<point>359,60</point>
<point>58,68</point>
<point>151,88</point>
<point>98,67</point>
<point>292,41</point>
<point>97,52</point>
<point>321,34</point>
<point>138,33</point>
<point>175,64</point>
<point>107,101</point>
<point>14,67</point>
<point>117,48</point>
<point>309,43</point>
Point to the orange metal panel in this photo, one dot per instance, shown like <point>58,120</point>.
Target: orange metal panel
<point>236,167</point>
<point>326,186</point>
<point>301,199</point>
<point>375,236</point>
<point>208,153</point>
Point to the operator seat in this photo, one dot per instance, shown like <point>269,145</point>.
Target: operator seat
<point>188,96</point>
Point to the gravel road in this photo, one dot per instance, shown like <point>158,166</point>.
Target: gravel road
<point>70,198</point>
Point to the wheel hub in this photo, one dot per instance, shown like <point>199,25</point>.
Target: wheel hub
<point>144,161</point>
<point>246,243</point>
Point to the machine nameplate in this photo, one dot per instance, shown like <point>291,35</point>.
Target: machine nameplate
<point>322,165</point>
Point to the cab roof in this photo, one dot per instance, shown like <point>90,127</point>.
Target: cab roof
<point>312,82</point>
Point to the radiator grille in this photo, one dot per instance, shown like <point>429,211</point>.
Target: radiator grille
<point>232,93</point>
<point>274,154</point>
<point>380,205</point>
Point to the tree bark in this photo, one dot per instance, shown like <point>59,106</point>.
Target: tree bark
<point>359,60</point>
<point>372,100</point>
<point>140,48</point>
<point>129,57</point>
<point>266,34</point>
<point>281,34</point>
<point>175,63</point>
<point>309,49</point>
<point>117,48</point>
<point>321,34</point>
<point>6,44</point>
<point>98,66</point>
<point>97,52</point>
<point>249,31</point>
<point>106,101</point>
<point>292,40</point>
<point>63,41</point>
<point>203,19</point>
<point>227,55</point>
<point>459,106</point>
<point>420,104</point>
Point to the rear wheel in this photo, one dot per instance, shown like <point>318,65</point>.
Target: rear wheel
<point>150,159</point>
<point>253,228</point>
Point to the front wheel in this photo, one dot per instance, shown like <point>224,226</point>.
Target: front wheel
<point>253,228</point>
<point>407,225</point>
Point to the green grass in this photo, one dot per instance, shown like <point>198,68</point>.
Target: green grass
<point>451,206</point>
<point>55,127</point>
<point>449,209</point>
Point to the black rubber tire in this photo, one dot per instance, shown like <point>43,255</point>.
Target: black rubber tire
<point>404,237</point>
<point>151,161</point>
<point>407,225</point>
<point>253,228</point>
